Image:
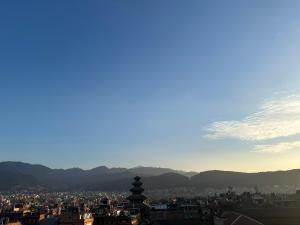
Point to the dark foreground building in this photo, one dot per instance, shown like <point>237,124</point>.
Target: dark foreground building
<point>134,213</point>
<point>136,200</point>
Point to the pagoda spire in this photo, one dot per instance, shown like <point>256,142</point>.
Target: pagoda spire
<point>137,198</point>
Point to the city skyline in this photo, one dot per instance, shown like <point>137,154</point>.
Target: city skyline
<point>190,86</point>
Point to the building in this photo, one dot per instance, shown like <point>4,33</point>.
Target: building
<point>115,220</point>
<point>11,218</point>
<point>33,218</point>
<point>133,213</point>
<point>233,218</point>
<point>74,216</point>
<point>185,214</point>
<point>136,200</point>
<point>273,215</point>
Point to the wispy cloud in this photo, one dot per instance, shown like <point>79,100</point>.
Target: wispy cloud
<point>274,119</point>
<point>278,147</point>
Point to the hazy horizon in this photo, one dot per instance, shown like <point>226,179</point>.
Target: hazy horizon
<point>147,166</point>
<point>193,86</point>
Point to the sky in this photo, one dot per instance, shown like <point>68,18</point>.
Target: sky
<point>190,85</point>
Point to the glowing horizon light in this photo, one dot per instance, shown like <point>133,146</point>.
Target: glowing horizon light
<point>277,147</point>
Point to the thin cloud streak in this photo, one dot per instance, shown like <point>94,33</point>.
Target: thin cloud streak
<point>275,119</point>
<point>278,147</point>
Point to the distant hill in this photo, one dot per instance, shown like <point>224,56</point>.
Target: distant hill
<point>221,179</point>
<point>98,178</point>
<point>155,171</point>
<point>14,180</point>
<point>18,175</point>
<point>163,181</point>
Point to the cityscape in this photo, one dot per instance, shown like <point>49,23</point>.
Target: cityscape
<point>150,203</point>
<point>133,207</point>
<point>149,112</point>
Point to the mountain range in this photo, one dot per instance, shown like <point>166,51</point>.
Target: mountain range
<point>19,175</point>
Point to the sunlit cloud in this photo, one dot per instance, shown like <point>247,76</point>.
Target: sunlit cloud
<point>274,119</point>
<point>278,147</point>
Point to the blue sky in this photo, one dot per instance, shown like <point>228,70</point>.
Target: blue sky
<point>162,83</point>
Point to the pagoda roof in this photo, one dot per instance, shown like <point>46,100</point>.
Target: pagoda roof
<point>137,183</point>
<point>137,189</point>
<point>137,178</point>
<point>137,197</point>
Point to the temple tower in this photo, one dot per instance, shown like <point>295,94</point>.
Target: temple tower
<point>137,198</point>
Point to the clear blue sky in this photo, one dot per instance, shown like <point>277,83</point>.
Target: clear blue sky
<point>162,83</point>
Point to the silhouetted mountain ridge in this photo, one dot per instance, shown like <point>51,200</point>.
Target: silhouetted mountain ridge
<point>24,175</point>
<point>221,179</point>
<point>97,178</point>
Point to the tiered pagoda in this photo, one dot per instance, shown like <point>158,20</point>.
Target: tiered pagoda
<point>137,198</point>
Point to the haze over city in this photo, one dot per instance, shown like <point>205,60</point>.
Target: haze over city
<point>190,86</point>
